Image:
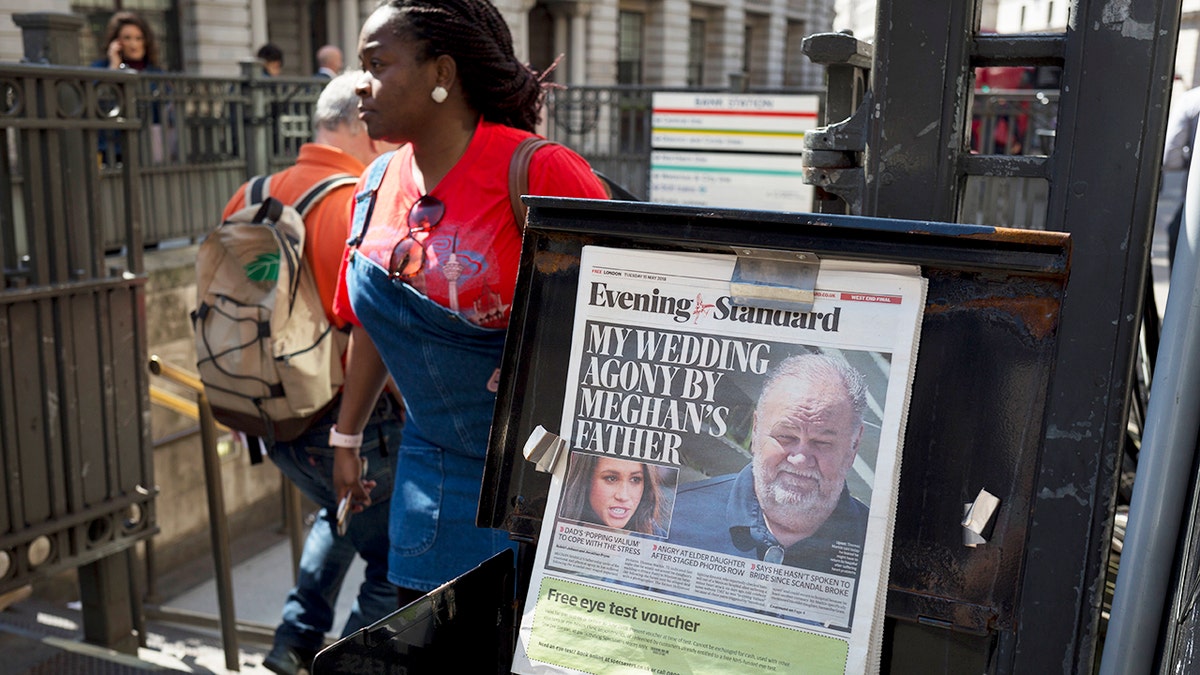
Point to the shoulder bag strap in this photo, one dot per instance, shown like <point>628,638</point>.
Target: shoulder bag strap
<point>257,192</point>
<point>518,175</point>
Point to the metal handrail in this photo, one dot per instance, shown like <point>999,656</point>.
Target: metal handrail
<point>176,374</point>
<point>218,523</point>
<point>174,402</point>
<point>293,517</point>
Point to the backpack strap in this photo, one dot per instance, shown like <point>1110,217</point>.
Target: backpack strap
<point>518,175</point>
<point>256,190</point>
<point>366,198</point>
<point>317,192</point>
<point>259,189</point>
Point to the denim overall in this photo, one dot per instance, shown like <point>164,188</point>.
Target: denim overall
<point>442,365</point>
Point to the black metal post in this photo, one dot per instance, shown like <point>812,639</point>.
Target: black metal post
<point>219,530</point>
<point>104,595</point>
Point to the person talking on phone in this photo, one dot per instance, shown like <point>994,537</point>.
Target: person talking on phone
<point>129,44</point>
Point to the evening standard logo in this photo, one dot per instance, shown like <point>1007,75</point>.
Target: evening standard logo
<point>683,310</point>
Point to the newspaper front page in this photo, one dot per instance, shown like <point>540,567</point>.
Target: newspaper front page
<point>727,498</point>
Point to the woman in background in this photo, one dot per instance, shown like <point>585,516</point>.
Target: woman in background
<point>129,45</point>
<point>430,272</point>
<point>614,492</point>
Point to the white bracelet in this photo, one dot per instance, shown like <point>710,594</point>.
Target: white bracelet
<point>339,440</point>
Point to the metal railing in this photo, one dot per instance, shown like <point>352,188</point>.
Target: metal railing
<point>198,139</point>
<point>1010,122</point>
<point>72,337</point>
<point>218,521</point>
<point>201,137</point>
<point>610,126</point>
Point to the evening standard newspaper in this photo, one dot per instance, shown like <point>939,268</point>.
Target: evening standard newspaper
<point>728,492</point>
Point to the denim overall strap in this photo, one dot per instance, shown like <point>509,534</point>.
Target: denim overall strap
<point>362,216</point>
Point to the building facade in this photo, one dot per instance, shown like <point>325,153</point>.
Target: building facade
<point>668,43</point>
<point>1187,51</point>
<point>1032,16</point>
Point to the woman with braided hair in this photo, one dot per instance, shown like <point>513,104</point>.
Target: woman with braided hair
<point>430,269</point>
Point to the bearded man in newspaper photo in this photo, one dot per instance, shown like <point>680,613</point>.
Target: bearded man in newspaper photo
<point>790,505</point>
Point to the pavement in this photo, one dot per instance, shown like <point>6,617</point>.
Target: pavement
<point>40,636</point>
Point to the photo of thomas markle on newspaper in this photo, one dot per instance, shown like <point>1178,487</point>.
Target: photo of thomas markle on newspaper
<point>727,500</point>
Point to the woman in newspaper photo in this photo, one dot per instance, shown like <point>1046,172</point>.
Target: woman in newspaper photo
<point>428,277</point>
<point>615,492</point>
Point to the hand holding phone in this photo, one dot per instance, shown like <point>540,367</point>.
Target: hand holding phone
<point>344,512</point>
<point>115,57</point>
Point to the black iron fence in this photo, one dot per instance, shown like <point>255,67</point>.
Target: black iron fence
<point>198,139</point>
<point>74,440</point>
<point>610,126</point>
<point>1010,122</point>
<point>201,137</point>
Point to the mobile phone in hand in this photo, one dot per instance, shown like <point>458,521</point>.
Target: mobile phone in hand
<point>343,510</point>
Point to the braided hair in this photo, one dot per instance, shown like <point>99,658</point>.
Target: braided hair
<point>474,34</point>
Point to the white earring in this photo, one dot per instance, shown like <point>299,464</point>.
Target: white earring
<point>439,94</point>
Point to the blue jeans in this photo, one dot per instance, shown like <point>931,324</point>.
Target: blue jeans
<point>308,462</point>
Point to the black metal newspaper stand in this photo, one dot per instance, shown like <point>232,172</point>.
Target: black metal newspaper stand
<point>988,343</point>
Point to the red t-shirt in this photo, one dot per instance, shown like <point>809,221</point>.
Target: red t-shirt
<point>472,253</point>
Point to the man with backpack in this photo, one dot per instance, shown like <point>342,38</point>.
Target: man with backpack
<point>340,146</point>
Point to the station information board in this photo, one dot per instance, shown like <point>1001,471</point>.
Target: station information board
<point>731,150</point>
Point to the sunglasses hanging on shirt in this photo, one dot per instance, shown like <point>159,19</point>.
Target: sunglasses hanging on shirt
<point>408,256</point>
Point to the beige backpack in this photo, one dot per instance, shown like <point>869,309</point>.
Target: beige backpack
<point>269,359</point>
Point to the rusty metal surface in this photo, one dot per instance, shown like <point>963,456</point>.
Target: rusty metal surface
<point>987,351</point>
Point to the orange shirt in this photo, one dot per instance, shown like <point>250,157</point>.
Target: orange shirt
<point>328,223</point>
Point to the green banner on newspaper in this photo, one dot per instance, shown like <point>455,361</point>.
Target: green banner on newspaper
<point>595,630</point>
